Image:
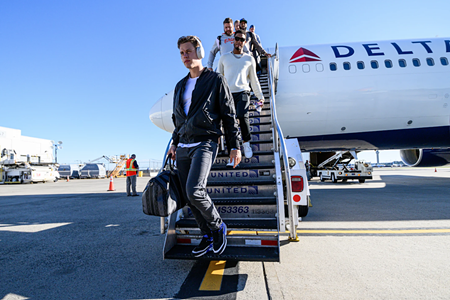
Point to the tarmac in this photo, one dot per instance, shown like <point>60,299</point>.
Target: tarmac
<point>385,239</point>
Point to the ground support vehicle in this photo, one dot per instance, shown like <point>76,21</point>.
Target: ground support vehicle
<point>337,168</point>
<point>96,170</point>
<point>25,173</point>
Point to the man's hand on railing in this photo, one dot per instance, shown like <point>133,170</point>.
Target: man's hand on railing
<point>235,155</point>
<point>173,151</point>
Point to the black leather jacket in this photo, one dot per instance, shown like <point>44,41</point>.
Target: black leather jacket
<point>211,103</point>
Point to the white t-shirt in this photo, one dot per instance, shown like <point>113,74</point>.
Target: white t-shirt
<point>187,95</point>
<point>187,100</point>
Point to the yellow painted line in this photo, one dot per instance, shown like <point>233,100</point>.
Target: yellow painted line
<point>213,277</point>
<point>237,232</point>
<point>369,231</point>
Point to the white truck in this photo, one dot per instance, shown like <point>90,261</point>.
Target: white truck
<point>337,168</point>
<point>25,159</point>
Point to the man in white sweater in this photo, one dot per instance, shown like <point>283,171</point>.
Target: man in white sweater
<point>239,70</point>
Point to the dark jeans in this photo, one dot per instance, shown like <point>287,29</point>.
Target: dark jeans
<point>194,165</point>
<point>241,103</point>
<point>131,181</point>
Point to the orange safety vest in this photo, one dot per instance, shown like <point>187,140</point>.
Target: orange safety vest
<point>130,168</point>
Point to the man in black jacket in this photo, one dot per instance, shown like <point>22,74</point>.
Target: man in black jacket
<point>202,100</point>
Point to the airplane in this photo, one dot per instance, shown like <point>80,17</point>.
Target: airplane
<point>379,95</point>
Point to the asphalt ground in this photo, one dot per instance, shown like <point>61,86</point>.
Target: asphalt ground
<point>385,239</point>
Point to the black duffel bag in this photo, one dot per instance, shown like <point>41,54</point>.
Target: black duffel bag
<point>163,194</point>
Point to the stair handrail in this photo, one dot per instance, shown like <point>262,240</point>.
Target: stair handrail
<point>163,219</point>
<point>280,147</point>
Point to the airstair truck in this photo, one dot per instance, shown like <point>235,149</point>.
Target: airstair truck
<point>337,168</point>
<point>259,200</point>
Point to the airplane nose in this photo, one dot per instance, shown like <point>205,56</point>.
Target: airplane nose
<point>161,113</point>
<point>156,114</point>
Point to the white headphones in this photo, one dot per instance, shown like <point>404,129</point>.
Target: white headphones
<point>199,48</point>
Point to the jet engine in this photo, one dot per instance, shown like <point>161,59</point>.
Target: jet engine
<point>425,157</point>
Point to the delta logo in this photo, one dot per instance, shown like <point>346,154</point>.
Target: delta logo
<point>303,55</point>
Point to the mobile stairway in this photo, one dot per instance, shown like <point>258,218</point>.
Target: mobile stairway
<point>257,200</point>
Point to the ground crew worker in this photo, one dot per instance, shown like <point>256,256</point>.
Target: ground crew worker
<point>201,102</point>
<point>239,69</point>
<point>223,43</point>
<point>132,168</point>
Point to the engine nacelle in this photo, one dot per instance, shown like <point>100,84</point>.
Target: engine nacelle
<point>425,157</point>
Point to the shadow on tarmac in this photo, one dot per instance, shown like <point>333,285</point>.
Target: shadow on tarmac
<point>108,250</point>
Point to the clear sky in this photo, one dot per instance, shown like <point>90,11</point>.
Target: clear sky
<point>87,72</point>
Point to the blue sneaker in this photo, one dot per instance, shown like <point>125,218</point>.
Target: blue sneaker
<point>204,247</point>
<point>220,239</point>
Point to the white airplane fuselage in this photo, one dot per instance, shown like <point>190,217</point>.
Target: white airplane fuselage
<point>359,96</point>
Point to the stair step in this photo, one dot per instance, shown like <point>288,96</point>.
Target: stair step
<point>250,224</point>
<point>232,184</point>
<point>259,119</point>
<point>264,128</point>
<point>261,145</point>
<point>251,164</point>
<point>244,189</point>
<point>230,253</point>
<point>246,201</point>
<point>260,137</point>
<point>264,112</point>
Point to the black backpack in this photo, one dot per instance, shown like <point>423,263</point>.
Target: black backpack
<point>163,194</point>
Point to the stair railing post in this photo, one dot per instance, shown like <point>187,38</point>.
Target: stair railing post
<point>280,147</point>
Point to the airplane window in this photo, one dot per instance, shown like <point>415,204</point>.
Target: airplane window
<point>333,67</point>
<point>374,64</point>
<point>430,61</point>
<point>360,65</point>
<point>319,67</point>
<point>402,63</point>
<point>305,68</point>
<point>388,63</point>
<point>292,69</point>
<point>444,61</point>
<point>346,66</point>
<point>416,62</point>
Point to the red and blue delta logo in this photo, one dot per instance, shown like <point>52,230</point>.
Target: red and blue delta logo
<point>303,55</point>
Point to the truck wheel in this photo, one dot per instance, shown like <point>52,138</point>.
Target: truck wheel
<point>302,211</point>
<point>321,177</point>
<point>333,178</point>
<point>361,180</point>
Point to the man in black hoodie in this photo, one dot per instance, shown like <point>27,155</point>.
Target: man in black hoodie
<point>202,102</point>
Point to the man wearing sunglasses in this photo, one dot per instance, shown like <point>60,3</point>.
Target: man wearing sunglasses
<point>239,69</point>
<point>252,42</point>
<point>223,43</point>
<point>201,102</point>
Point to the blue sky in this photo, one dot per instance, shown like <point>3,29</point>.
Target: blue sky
<point>88,72</point>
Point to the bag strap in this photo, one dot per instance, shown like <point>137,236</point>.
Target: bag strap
<point>169,162</point>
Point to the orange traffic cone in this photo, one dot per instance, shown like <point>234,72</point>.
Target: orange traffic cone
<point>67,178</point>
<point>111,184</point>
<point>435,170</point>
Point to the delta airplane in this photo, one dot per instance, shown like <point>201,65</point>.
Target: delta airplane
<point>360,96</point>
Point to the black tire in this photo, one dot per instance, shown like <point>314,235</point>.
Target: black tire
<point>361,180</point>
<point>302,211</point>
<point>333,178</point>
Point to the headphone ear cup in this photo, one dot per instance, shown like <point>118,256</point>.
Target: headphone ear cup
<point>200,52</point>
